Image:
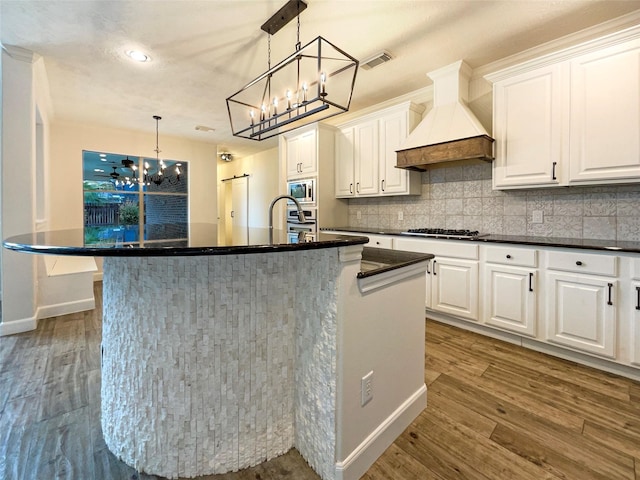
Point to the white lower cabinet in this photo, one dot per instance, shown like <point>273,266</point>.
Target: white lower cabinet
<point>510,293</point>
<point>454,287</point>
<point>581,312</point>
<point>582,308</point>
<point>452,276</point>
<point>510,300</point>
<point>583,301</point>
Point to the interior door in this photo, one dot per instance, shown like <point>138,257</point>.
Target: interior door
<point>234,208</point>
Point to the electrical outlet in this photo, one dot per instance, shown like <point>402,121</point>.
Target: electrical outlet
<point>538,216</point>
<point>400,215</point>
<point>358,214</point>
<point>366,388</point>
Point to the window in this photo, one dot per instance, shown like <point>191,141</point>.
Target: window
<point>117,201</point>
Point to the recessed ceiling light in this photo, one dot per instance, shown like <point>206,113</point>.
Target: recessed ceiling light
<point>138,56</point>
<point>98,170</point>
<point>103,155</point>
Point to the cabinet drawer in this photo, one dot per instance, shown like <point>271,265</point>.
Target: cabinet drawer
<point>376,241</point>
<point>379,241</point>
<point>512,256</point>
<point>440,248</point>
<point>583,263</point>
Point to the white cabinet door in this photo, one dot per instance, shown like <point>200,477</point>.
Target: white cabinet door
<point>344,164</point>
<point>293,157</point>
<point>510,298</point>
<point>308,153</point>
<point>393,130</point>
<point>454,287</point>
<point>528,128</point>
<point>605,114</point>
<point>366,158</point>
<point>302,159</point>
<point>635,322</point>
<point>581,313</point>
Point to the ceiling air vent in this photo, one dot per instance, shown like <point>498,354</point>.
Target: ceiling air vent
<point>375,60</point>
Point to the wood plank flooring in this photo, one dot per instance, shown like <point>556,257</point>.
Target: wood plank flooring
<point>495,411</point>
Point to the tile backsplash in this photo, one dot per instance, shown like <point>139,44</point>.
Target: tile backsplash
<point>462,197</point>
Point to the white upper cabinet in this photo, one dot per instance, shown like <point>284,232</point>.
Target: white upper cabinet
<point>605,114</point>
<point>367,172</point>
<point>570,118</point>
<point>366,154</point>
<point>302,157</point>
<point>528,128</point>
<point>393,131</point>
<point>345,164</point>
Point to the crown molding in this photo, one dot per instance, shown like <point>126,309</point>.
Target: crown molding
<point>615,31</point>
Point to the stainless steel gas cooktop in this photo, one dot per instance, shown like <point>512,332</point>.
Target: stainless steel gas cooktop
<point>444,233</point>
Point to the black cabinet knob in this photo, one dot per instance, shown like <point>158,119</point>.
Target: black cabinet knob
<point>508,256</point>
<point>578,263</point>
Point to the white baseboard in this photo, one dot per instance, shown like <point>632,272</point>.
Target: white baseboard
<point>365,454</point>
<point>18,326</point>
<point>48,311</point>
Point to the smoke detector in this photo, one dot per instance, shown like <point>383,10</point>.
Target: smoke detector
<point>375,60</point>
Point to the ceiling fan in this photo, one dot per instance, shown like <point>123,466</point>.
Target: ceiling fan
<point>114,175</point>
<point>127,163</point>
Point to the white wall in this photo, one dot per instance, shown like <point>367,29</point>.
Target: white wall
<point>19,106</point>
<point>68,140</point>
<point>262,169</point>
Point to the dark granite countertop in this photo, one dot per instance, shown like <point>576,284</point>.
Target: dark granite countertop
<point>167,240</point>
<point>591,244</point>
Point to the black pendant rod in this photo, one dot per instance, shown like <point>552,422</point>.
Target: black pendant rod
<point>288,12</point>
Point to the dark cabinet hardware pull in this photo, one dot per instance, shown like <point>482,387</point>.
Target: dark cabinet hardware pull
<point>358,187</point>
<point>579,263</point>
<point>530,282</point>
<point>383,185</point>
<point>609,302</point>
<point>508,256</point>
<point>351,188</point>
<point>434,268</point>
<point>638,299</point>
<point>429,273</point>
<point>553,171</point>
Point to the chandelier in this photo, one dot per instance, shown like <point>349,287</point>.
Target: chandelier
<point>160,175</point>
<point>313,83</point>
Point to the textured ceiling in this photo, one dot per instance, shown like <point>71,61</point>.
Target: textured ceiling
<point>204,51</point>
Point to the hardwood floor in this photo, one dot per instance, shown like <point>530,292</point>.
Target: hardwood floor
<point>496,411</point>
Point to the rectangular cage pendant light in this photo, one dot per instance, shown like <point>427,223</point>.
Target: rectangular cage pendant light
<point>314,83</point>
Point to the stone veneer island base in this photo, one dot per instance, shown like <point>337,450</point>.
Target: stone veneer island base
<point>216,363</point>
<point>220,352</point>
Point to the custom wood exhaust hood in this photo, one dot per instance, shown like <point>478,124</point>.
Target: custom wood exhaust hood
<point>450,132</point>
<point>419,158</point>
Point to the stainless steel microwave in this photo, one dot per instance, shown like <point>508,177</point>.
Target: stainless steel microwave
<point>303,190</point>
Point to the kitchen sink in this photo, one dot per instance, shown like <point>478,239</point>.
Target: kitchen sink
<point>368,265</point>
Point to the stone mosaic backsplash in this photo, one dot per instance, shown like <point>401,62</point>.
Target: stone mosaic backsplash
<point>462,197</point>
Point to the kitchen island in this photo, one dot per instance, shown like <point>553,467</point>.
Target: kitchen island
<point>221,350</point>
